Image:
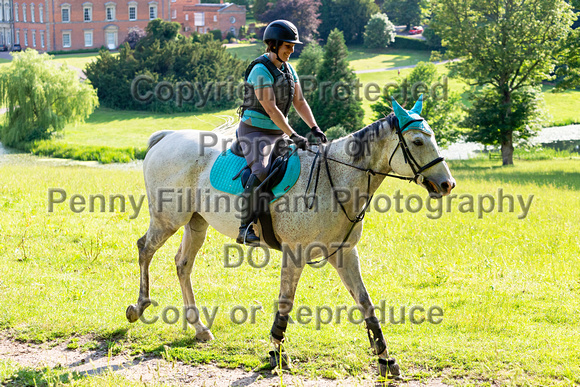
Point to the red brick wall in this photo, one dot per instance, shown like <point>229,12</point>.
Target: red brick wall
<point>54,27</point>
<point>189,7</point>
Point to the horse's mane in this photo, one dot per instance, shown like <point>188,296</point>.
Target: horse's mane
<point>370,133</point>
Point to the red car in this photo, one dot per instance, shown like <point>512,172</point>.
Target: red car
<point>416,30</point>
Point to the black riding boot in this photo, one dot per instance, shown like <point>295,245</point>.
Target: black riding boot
<point>249,203</point>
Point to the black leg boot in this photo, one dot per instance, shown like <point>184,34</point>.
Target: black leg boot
<point>250,196</point>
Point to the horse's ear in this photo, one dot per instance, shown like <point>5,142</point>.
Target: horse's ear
<point>399,111</point>
<point>418,108</point>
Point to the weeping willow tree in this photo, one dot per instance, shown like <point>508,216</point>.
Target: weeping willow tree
<point>41,98</point>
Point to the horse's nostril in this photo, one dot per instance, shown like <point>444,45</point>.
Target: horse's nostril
<point>445,186</point>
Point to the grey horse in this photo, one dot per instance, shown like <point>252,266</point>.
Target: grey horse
<point>401,144</point>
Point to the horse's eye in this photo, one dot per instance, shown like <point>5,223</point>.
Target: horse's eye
<point>418,142</point>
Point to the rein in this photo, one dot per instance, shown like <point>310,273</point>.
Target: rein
<point>409,159</point>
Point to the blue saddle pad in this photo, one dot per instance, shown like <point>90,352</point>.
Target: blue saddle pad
<point>228,165</point>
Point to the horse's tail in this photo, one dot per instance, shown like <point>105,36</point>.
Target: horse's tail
<point>156,137</point>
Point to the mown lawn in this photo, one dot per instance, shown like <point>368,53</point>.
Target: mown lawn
<point>509,287</point>
<point>117,128</point>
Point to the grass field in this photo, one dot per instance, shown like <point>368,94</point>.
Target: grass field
<point>509,287</point>
<point>132,128</point>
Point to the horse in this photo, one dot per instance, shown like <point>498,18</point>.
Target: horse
<point>400,145</point>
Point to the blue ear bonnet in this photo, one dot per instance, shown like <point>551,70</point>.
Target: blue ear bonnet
<point>404,116</point>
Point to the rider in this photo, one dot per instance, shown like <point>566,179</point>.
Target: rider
<point>271,87</point>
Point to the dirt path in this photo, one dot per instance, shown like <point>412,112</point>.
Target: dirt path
<point>150,369</point>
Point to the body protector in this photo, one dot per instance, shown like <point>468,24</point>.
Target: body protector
<point>284,88</point>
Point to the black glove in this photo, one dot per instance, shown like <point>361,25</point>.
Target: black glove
<point>301,142</point>
<point>318,134</point>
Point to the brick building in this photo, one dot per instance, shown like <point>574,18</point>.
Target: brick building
<point>54,25</point>
<point>6,23</point>
<point>193,15</point>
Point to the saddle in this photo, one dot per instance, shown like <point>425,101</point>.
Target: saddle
<point>230,172</point>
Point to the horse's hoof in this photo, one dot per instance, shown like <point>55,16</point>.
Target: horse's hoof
<point>277,361</point>
<point>132,313</point>
<point>389,369</point>
<point>204,336</point>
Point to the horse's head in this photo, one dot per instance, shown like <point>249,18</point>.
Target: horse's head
<point>416,153</point>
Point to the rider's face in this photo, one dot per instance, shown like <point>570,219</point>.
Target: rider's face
<point>286,49</point>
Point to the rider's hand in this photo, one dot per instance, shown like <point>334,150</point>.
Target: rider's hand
<point>301,142</point>
<point>318,134</point>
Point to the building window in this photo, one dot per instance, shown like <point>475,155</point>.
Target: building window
<point>65,14</point>
<point>42,39</point>
<point>232,20</point>
<point>66,39</point>
<point>110,11</point>
<point>40,13</point>
<point>186,17</point>
<point>87,13</point>
<point>132,11</point>
<point>24,13</point>
<point>199,19</point>
<point>26,38</point>
<point>214,18</point>
<point>17,37</point>
<point>174,14</point>
<point>152,11</point>
<point>16,12</point>
<point>32,13</point>
<point>33,38</point>
<point>88,38</point>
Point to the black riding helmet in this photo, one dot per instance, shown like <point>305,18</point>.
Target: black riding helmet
<point>281,31</point>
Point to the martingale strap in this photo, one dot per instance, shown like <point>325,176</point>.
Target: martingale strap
<point>409,159</point>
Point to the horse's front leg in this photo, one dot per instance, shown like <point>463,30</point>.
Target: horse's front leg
<point>348,269</point>
<point>290,275</point>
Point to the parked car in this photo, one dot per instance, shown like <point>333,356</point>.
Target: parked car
<point>416,30</point>
<point>3,47</point>
<point>16,47</point>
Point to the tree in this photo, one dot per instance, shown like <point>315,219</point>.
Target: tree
<point>41,98</point>
<point>440,108</point>
<point>303,13</point>
<point>568,70</point>
<point>335,101</point>
<point>349,16</point>
<point>196,73</point>
<point>134,36</point>
<point>488,124</point>
<point>310,62</point>
<point>379,31</point>
<point>505,44</point>
<point>259,7</point>
<point>403,12</point>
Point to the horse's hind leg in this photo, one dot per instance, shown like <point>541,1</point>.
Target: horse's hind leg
<point>193,238</point>
<point>148,244</point>
<point>348,269</point>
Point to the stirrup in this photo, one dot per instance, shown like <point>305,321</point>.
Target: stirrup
<point>244,241</point>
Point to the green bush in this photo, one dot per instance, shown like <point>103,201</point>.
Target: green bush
<point>404,42</point>
<point>81,51</point>
<point>217,34</point>
<point>133,79</point>
<point>335,132</point>
<point>102,154</point>
<point>379,31</point>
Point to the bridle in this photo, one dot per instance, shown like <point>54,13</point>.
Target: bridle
<point>409,159</point>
